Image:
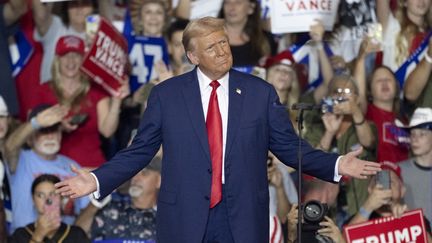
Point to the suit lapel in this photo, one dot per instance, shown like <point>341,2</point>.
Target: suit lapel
<point>192,97</point>
<point>235,105</point>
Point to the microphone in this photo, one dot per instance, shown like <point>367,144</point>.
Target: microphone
<point>305,106</point>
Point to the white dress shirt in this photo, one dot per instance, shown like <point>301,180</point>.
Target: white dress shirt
<point>222,95</point>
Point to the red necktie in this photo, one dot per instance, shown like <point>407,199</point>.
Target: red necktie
<point>214,133</point>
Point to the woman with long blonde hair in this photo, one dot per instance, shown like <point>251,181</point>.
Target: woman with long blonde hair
<point>92,112</point>
<point>403,31</point>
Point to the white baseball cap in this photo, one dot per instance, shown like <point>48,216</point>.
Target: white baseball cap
<point>3,107</point>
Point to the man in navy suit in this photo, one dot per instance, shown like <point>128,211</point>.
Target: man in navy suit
<point>201,123</point>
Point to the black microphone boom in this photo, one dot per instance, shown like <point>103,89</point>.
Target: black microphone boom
<point>305,106</point>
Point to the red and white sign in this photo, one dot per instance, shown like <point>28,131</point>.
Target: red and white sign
<point>290,16</point>
<point>409,228</point>
<point>106,61</point>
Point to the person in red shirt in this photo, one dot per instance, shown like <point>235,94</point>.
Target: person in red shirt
<point>92,112</point>
<point>384,107</point>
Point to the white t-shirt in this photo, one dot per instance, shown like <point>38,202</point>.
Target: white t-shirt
<point>389,43</point>
<point>290,190</point>
<point>56,30</point>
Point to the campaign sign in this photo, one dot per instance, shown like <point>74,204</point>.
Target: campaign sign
<point>123,241</point>
<point>106,61</point>
<point>291,16</point>
<point>409,228</point>
<point>144,52</point>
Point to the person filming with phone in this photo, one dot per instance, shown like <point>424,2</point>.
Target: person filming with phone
<point>48,226</point>
<point>43,135</point>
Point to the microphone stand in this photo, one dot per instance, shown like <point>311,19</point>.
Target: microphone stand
<point>299,169</point>
<point>301,107</point>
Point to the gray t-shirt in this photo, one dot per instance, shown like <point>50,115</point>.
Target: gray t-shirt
<point>418,183</point>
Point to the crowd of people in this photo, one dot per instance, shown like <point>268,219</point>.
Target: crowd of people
<point>372,90</point>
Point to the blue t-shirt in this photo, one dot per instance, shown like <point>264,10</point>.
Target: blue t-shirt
<point>31,165</point>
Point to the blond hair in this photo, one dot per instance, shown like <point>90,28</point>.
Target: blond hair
<point>75,100</point>
<point>408,31</point>
<point>201,27</point>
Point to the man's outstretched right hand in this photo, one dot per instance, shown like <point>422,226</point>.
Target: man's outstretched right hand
<point>80,185</point>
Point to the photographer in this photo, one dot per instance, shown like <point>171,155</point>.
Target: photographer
<point>344,129</point>
<point>328,231</point>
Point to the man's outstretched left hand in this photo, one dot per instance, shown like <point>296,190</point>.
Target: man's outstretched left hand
<point>350,165</point>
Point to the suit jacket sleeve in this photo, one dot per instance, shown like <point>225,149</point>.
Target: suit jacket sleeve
<point>284,144</point>
<point>129,161</point>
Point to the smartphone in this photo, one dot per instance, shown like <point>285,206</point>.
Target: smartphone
<point>52,204</point>
<point>91,28</point>
<point>92,24</point>
<point>78,119</point>
<point>374,32</point>
<point>383,178</point>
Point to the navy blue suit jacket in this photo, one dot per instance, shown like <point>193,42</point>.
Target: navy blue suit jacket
<point>257,122</point>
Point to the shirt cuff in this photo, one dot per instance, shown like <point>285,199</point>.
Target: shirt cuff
<point>336,177</point>
<point>96,194</point>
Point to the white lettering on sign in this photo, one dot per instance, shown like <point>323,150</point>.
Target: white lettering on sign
<point>110,54</point>
<point>140,68</point>
<point>398,236</point>
<point>303,5</point>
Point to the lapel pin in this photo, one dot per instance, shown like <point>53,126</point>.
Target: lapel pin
<point>238,91</point>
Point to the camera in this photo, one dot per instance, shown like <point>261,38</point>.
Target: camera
<point>328,103</point>
<point>313,213</point>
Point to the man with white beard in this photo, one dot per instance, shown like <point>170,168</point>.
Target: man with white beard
<point>43,134</point>
<point>128,220</point>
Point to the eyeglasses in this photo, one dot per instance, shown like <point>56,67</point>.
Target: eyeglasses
<point>346,91</point>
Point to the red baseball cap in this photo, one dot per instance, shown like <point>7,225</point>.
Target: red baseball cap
<point>386,165</point>
<point>284,57</point>
<point>69,43</point>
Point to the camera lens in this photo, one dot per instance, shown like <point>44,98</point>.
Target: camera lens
<point>314,211</point>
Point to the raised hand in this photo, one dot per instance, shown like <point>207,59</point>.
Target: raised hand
<point>377,198</point>
<point>332,122</point>
<point>47,222</point>
<point>292,220</point>
<point>80,185</point>
<point>123,91</point>
<point>317,31</point>
<point>330,230</point>
<point>274,175</point>
<point>52,115</point>
<point>163,71</point>
<point>350,165</point>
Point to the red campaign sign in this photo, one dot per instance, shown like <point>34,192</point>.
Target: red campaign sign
<point>106,61</point>
<point>409,228</point>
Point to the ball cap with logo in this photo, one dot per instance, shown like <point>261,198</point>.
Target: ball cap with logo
<point>69,43</point>
<point>285,58</point>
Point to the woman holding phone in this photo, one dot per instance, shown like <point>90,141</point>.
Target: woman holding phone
<point>48,226</point>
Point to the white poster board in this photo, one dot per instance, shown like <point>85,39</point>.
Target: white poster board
<point>291,16</point>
